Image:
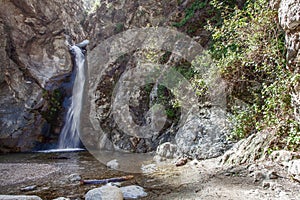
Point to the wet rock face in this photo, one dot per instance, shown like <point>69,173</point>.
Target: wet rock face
<point>34,58</point>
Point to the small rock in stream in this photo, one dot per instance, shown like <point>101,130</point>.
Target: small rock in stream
<point>28,188</point>
<point>113,164</point>
<point>104,193</point>
<point>133,192</point>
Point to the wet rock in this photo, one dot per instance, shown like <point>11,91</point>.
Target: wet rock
<point>133,192</point>
<point>19,197</point>
<point>158,159</point>
<point>289,18</point>
<point>104,193</point>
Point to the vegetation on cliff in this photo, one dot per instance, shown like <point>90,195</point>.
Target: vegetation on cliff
<point>248,49</point>
<point>247,46</point>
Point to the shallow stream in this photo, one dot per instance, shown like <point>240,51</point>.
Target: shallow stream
<point>52,174</point>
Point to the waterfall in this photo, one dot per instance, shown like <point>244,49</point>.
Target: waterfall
<point>69,136</point>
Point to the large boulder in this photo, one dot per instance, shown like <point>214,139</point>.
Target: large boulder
<point>133,192</point>
<point>203,136</point>
<point>104,193</point>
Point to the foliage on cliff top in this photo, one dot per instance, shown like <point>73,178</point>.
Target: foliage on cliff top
<point>248,49</point>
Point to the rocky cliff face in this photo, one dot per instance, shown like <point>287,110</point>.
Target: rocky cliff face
<point>199,137</point>
<point>34,60</point>
<point>110,19</point>
<point>289,18</point>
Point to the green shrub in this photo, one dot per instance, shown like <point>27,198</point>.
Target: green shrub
<point>248,50</point>
<point>54,99</point>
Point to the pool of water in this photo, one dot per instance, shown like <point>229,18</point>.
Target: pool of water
<point>51,173</point>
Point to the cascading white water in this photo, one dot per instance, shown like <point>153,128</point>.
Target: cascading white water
<point>69,136</point>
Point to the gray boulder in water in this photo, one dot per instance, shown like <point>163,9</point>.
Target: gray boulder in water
<point>104,193</point>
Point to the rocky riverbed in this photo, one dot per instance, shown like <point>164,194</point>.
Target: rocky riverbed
<point>54,175</point>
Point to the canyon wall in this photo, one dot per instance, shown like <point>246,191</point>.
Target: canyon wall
<point>34,61</point>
